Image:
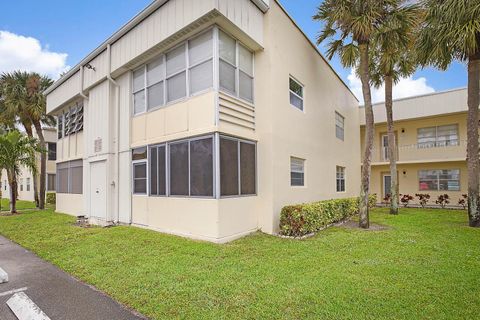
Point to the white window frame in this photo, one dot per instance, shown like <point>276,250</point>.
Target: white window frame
<point>295,94</point>
<point>139,162</point>
<point>238,141</point>
<point>435,144</point>
<point>342,178</point>
<point>303,172</point>
<point>339,116</point>
<point>438,180</point>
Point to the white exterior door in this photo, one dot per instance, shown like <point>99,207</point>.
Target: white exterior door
<point>98,190</point>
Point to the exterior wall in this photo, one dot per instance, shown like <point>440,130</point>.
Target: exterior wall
<point>69,90</point>
<point>70,204</point>
<point>408,183</point>
<point>310,134</point>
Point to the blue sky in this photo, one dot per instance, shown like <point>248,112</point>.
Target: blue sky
<point>76,27</point>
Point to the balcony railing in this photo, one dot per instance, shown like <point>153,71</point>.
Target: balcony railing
<point>448,150</point>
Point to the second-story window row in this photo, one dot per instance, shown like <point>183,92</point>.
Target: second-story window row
<point>189,69</point>
<point>439,136</point>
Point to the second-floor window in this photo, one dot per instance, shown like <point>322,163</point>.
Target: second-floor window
<point>52,151</point>
<point>440,136</point>
<point>339,126</point>
<point>188,69</point>
<point>70,121</point>
<point>296,94</point>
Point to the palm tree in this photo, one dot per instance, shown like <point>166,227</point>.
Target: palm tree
<point>25,104</point>
<point>17,150</point>
<point>351,24</point>
<point>452,32</point>
<point>392,59</point>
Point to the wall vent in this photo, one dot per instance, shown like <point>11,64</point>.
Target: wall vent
<point>98,145</point>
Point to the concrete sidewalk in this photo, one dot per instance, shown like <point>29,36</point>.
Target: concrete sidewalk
<point>58,294</point>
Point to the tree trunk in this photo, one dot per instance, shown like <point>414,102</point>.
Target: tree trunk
<point>392,145</point>
<point>12,181</point>
<point>369,132</point>
<point>472,140</point>
<point>43,165</point>
<point>28,130</point>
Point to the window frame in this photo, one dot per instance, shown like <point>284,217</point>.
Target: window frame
<point>49,151</point>
<point>438,174</point>
<point>294,93</point>
<point>140,162</point>
<point>303,172</point>
<point>68,167</point>
<point>435,144</point>
<point>238,141</point>
<point>343,178</point>
<point>342,118</point>
<point>54,182</point>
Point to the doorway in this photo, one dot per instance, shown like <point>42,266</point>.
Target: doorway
<point>98,190</point>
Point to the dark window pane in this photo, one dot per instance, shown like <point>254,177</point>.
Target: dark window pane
<point>140,171</point>
<point>179,169</point>
<point>76,180</point>
<point>296,178</point>
<point>153,171</point>
<point>296,87</point>
<point>51,182</point>
<point>52,151</point>
<point>162,189</point>
<point>228,167</point>
<point>140,186</point>
<point>139,154</point>
<point>247,168</point>
<point>140,178</point>
<point>201,167</point>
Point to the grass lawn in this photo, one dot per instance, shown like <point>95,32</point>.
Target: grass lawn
<point>425,266</point>
<point>21,205</point>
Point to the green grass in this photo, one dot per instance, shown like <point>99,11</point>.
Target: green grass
<point>21,205</point>
<point>425,266</point>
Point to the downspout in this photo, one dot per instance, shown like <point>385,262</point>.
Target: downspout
<point>117,124</point>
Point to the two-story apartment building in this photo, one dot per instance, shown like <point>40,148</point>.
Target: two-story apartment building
<point>203,118</point>
<point>431,133</point>
<point>25,178</point>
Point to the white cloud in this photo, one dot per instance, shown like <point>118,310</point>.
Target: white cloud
<point>406,87</point>
<point>26,53</point>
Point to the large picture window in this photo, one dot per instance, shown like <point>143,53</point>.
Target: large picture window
<point>237,167</point>
<point>70,177</point>
<point>439,180</point>
<point>440,136</point>
<point>188,69</point>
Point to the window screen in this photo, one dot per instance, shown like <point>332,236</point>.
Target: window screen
<point>228,167</point>
<point>201,167</point>
<point>340,179</point>
<point>339,126</point>
<point>179,174</point>
<point>248,168</point>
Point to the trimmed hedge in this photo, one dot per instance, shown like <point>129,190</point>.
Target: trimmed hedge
<point>299,220</point>
<point>51,197</point>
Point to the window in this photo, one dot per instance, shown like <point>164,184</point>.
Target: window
<point>237,167</point>
<point>52,151</point>
<point>165,79</point>
<point>139,158</point>
<point>71,121</point>
<point>296,94</point>
<point>21,184</point>
<point>28,184</point>
<point>339,126</point>
<point>201,167</point>
<point>340,179</point>
<point>440,136</point>
<point>157,163</point>
<point>179,169</point>
<point>236,74</point>
<point>297,172</point>
<point>51,182</point>
<point>60,126</point>
<point>70,177</point>
<point>439,180</point>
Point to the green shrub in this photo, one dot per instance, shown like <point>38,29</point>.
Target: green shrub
<point>51,197</point>
<point>302,219</point>
<point>372,200</point>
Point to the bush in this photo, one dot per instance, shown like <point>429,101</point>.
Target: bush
<point>372,200</point>
<point>463,201</point>
<point>443,200</point>
<point>51,197</point>
<point>387,198</point>
<point>302,219</point>
<point>423,199</point>
<point>405,199</point>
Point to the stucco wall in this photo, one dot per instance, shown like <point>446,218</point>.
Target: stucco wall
<point>71,204</point>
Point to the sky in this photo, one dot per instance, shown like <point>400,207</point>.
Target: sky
<point>51,36</point>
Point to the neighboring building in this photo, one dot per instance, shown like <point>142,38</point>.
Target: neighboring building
<point>203,118</point>
<point>25,178</point>
<point>431,133</point>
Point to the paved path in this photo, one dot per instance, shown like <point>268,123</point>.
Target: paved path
<point>58,294</point>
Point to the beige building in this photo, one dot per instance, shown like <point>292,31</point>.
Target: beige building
<point>203,118</point>
<point>25,178</point>
<point>431,133</point>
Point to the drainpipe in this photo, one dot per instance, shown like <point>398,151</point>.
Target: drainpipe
<point>117,124</point>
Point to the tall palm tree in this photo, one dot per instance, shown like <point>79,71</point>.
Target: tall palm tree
<point>25,104</point>
<point>392,58</point>
<point>350,26</point>
<point>17,150</point>
<point>452,32</point>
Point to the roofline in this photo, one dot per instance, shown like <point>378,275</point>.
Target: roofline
<point>316,48</point>
<point>420,96</point>
<point>114,37</point>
